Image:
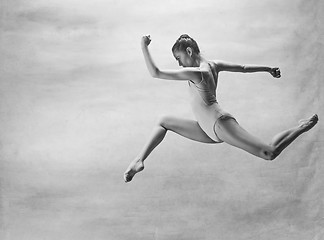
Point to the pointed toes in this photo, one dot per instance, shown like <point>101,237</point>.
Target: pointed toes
<point>128,177</point>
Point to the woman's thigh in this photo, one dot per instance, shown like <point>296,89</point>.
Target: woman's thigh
<point>232,133</point>
<point>186,128</point>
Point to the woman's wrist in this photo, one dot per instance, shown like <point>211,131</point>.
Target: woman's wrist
<point>143,44</point>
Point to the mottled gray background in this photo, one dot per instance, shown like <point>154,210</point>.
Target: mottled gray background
<point>77,103</point>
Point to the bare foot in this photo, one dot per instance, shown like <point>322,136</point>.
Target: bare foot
<point>307,124</point>
<point>133,168</point>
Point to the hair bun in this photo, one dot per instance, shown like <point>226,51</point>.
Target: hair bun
<point>185,41</point>
<point>184,36</point>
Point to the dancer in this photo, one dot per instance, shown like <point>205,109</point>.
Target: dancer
<point>212,124</point>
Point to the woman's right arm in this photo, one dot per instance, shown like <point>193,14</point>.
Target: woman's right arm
<point>186,74</point>
<point>146,40</point>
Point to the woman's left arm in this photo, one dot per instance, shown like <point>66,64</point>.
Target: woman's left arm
<point>230,67</point>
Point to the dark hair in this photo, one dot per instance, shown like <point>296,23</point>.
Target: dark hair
<point>185,41</point>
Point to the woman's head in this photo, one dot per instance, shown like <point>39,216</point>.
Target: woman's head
<point>186,51</point>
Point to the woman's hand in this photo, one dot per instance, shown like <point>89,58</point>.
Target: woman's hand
<point>275,72</point>
<point>146,40</point>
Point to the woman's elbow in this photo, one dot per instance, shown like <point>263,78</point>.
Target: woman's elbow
<point>155,73</point>
<point>244,69</point>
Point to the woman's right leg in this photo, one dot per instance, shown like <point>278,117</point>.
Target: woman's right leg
<point>186,128</point>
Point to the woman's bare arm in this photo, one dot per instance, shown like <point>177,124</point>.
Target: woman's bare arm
<point>231,67</point>
<point>189,73</point>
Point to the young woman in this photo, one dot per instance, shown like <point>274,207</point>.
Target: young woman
<point>212,125</point>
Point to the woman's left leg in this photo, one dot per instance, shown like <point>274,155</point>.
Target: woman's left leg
<point>232,133</point>
<point>283,139</point>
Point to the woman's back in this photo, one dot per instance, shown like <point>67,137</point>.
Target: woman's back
<point>206,88</point>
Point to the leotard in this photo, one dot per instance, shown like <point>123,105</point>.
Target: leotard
<point>205,106</point>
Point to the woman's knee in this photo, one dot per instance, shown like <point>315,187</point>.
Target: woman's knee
<point>165,122</point>
<point>269,153</point>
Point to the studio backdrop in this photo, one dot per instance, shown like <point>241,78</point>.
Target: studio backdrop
<point>77,104</point>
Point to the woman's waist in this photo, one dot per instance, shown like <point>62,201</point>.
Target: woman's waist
<point>207,110</point>
<point>208,105</point>
<point>205,97</point>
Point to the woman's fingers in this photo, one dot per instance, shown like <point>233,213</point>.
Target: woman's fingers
<point>276,72</point>
<point>146,39</point>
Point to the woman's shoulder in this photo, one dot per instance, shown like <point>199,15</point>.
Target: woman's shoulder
<point>207,70</point>
<point>216,64</point>
<point>205,67</point>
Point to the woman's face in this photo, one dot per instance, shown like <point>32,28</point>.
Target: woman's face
<point>183,57</point>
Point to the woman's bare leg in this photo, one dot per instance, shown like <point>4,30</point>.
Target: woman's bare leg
<point>186,128</point>
<point>282,140</point>
<point>232,133</point>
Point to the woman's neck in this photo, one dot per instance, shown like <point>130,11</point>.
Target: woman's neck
<point>198,61</point>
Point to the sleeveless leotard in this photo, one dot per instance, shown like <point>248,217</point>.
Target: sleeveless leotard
<point>205,106</point>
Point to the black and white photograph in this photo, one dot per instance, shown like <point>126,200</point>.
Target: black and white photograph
<point>161,120</point>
